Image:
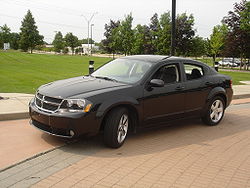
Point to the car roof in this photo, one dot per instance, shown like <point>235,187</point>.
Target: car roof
<point>148,58</point>
<point>153,58</point>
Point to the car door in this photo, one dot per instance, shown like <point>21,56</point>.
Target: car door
<point>197,87</point>
<point>165,103</point>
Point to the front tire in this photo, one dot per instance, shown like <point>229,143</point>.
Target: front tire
<point>116,127</point>
<point>214,112</point>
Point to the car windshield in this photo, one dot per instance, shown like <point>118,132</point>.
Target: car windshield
<point>123,70</point>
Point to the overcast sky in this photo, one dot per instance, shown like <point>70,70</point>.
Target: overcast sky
<point>68,16</point>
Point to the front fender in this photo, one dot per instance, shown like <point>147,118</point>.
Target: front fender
<point>108,104</point>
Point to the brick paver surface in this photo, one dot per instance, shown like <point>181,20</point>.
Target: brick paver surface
<point>19,140</point>
<point>187,154</point>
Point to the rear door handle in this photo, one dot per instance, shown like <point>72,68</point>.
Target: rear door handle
<point>179,88</point>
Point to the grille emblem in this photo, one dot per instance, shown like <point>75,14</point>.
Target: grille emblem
<point>42,101</point>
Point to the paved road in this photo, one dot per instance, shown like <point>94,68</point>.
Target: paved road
<point>187,154</point>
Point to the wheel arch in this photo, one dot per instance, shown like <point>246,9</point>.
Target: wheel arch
<point>133,114</point>
<point>218,91</point>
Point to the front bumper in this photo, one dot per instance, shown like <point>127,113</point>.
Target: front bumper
<point>62,124</point>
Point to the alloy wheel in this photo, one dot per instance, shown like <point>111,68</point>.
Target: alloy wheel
<point>216,111</point>
<point>122,128</point>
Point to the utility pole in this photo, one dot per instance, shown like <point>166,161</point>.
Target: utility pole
<point>88,22</point>
<point>91,38</point>
<point>173,31</point>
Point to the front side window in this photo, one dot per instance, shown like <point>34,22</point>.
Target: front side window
<point>168,73</point>
<point>193,71</point>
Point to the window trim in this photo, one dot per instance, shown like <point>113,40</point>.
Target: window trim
<point>178,68</point>
<point>193,64</point>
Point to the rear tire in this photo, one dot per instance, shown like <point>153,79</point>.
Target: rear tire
<point>214,112</point>
<point>116,127</point>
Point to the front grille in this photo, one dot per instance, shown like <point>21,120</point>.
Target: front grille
<point>47,104</point>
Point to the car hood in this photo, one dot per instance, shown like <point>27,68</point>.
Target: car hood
<point>76,86</point>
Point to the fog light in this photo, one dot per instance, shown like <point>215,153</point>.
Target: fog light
<point>71,133</point>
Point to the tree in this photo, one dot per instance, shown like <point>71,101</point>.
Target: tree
<point>14,41</point>
<point>198,47</point>
<point>71,41</point>
<point>58,42</point>
<point>238,39</point>
<point>184,33</point>
<point>217,40</point>
<point>108,43</point>
<point>29,35</point>
<point>141,40</point>
<point>5,30</point>
<point>245,17</point>
<point>164,37</point>
<point>126,34</point>
<point>85,41</point>
<point>116,40</point>
<point>154,27</point>
<point>1,40</point>
<point>4,35</point>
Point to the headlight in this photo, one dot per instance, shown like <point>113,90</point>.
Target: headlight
<point>75,105</point>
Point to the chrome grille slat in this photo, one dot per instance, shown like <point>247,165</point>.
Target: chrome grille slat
<point>47,104</point>
<point>52,103</point>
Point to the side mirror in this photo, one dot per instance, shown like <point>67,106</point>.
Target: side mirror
<point>156,83</point>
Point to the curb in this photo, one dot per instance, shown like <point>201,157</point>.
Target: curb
<point>241,96</point>
<point>25,115</point>
<point>14,116</point>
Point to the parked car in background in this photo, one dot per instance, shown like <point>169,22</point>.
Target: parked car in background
<point>230,62</point>
<point>223,62</point>
<point>131,93</point>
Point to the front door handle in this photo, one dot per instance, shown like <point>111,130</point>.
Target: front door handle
<point>209,83</point>
<point>179,88</point>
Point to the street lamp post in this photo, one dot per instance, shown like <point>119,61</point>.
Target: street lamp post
<point>173,30</point>
<point>88,22</point>
<point>91,31</point>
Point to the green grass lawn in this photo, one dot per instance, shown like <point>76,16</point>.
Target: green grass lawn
<point>24,73</point>
<point>237,76</point>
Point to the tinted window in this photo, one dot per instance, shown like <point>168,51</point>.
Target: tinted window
<point>168,73</point>
<point>193,71</point>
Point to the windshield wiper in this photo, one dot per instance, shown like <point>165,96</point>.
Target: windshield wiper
<point>106,78</point>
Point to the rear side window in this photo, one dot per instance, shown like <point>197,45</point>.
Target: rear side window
<point>193,71</point>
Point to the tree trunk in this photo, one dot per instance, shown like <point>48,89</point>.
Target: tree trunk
<point>214,57</point>
<point>248,62</point>
<point>245,67</point>
<point>240,62</point>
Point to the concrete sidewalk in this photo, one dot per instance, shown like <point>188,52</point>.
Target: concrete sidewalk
<point>242,91</point>
<point>15,105</point>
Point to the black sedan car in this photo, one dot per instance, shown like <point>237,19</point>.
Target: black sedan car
<point>130,93</point>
